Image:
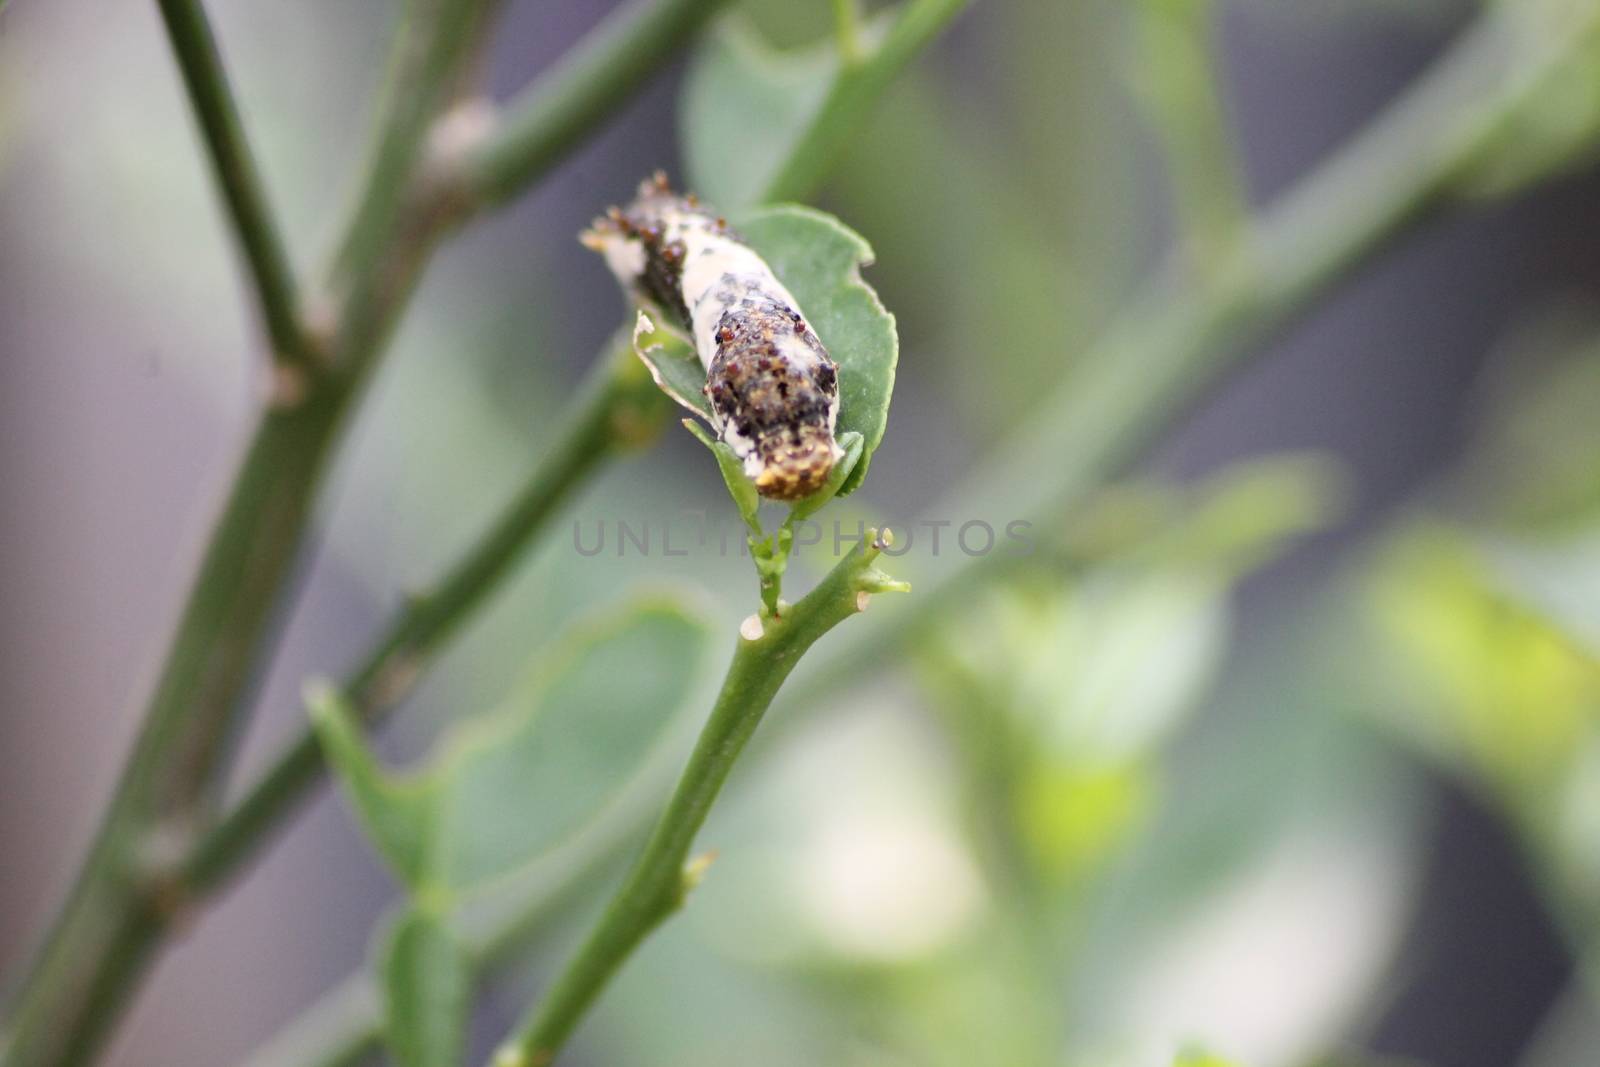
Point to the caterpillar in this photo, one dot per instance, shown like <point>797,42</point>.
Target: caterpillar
<point>772,387</point>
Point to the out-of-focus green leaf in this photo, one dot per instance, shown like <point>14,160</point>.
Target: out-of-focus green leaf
<point>1132,654</point>
<point>1491,684</point>
<point>1533,465</point>
<point>1175,76</point>
<point>1556,577</point>
<point>514,787</point>
<point>1239,518</point>
<point>745,107</point>
<point>1074,817</point>
<point>819,260</point>
<point>396,814</point>
<point>427,990</point>
<point>514,784</point>
<point>1195,1058</point>
<point>1089,676</point>
<point>1107,666</point>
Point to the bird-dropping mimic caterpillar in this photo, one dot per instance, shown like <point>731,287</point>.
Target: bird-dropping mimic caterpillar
<point>773,389</point>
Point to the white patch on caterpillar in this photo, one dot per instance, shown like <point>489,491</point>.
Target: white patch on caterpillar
<point>625,257</point>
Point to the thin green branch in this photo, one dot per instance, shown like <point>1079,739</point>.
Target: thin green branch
<point>235,168</point>
<point>621,407</point>
<point>1177,78</point>
<point>564,106</point>
<point>397,219</point>
<point>854,91</point>
<point>661,878</point>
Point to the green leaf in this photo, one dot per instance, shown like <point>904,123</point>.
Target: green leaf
<point>427,989</point>
<point>741,488</point>
<point>1194,1058</point>
<point>515,787</point>
<point>673,364</point>
<point>819,260</point>
<point>745,107</point>
<point>514,784</point>
<point>395,813</point>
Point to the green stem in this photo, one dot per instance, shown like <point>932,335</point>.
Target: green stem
<point>235,169</point>
<point>857,87</point>
<point>621,406</point>
<point>399,217</point>
<point>660,879</point>
<point>771,555</point>
<point>1178,81</point>
<point>565,106</point>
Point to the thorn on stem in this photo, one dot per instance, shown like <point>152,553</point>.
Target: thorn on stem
<point>319,321</point>
<point>158,865</point>
<point>393,680</point>
<point>694,872</point>
<point>287,387</point>
<point>512,1057</point>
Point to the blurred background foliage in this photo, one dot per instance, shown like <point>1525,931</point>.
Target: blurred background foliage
<point>1252,752</point>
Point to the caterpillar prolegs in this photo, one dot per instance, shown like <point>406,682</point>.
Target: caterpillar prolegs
<point>773,389</point>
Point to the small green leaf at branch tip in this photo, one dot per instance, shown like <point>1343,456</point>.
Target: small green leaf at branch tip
<point>393,813</point>
<point>673,364</point>
<point>872,580</point>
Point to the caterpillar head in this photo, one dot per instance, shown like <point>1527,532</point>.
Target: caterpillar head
<point>775,397</point>
<point>793,463</point>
